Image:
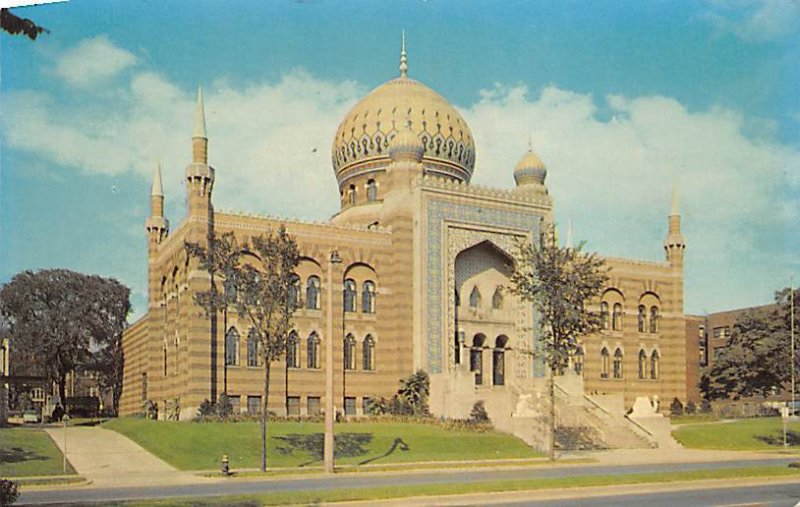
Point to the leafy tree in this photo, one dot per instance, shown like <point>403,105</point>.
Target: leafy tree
<point>259,293</point>
<point>757,360</point>
<point>16,25</point>
<point>67,321</point>
<point>560,282</point>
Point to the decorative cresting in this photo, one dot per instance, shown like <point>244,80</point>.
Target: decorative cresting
<point>362,141</point>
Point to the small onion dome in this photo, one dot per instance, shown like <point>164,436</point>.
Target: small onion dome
<point>405,144</point>
<point>530,170</point>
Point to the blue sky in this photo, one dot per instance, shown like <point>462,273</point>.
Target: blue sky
<point>622,100</point>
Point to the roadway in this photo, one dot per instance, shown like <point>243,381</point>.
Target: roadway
<point>363,480</point>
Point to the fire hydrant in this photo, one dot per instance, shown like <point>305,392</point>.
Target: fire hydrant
<point>225,467</point>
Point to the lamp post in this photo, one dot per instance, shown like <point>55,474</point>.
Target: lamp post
<point>328,450</point>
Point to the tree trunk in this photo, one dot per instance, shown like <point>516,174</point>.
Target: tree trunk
<point>264,401</point>
<point>552,414</point>
<point>62,389</point>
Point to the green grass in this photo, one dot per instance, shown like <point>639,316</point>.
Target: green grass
<point>199,446</point>
<point>764,433</point>
<point>692,419</point>
<point>378,493</point>
<point>29,452</point>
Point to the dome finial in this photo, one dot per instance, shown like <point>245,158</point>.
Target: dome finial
<point>403,59</point>
<point>530,142</point>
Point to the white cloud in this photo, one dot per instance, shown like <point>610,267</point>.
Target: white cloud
<point>613,178</point>
<point>755,20</point>
<point>93,61</point>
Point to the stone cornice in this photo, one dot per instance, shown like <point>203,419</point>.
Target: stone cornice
<point>446,185</point>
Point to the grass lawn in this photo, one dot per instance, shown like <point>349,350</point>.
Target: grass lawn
<point>28,452</point>
<point>694,418</point>
<point>199,446</point>
<point>377,493</point>
<point>763,433</point>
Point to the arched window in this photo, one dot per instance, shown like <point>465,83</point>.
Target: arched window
<point>642,318</point>
<point>604,363</point>
<point>577,361</point>
<point>312,293</point>
<point>352,194</point>
<point>293,351</point>
<point>232,347</point>
<point>294,292</point>
<point>252,348</point>
<point>498,361</point>
<point>349,296</point>
<point>313,350</point>
<point>349,352</point>
<point>475,297</point>
<point>368,297</point>
<point>618,363</point>
<point>476,358</point>
<point>604,315</point>
<point>653,319</point>
<point>369,353</point>
<point>372,191</point>
<point>497,299</point>
<point>654,365</point>
<point>616,323</point>
<point>642,364</point>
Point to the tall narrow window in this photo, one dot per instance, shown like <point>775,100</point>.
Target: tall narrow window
<point>369,353</point>
<point>368,297</point>
<point>604,363</point>
<point>232,347</point>
<point>313,350</point>
<point>252,348</point>
<point>642,318</point>
<point>293,351</point>
<point>498,361</point>
<point>352,194</point>
<point>618,363</point>
<point>476,358</point>
<point>604,315</point>
<point>165,358</point>
<point>616,323</point>
<point>349,296</point>
<point>312,293</point>
<point>654,365</point>
<point>372,191</point>
<point>475,297</point>
<point>642,364</point>
<point>294,292</point>
<point>349,352</point>
<point>653,319</point>
<point>497,299</point>
<point>577,361</point>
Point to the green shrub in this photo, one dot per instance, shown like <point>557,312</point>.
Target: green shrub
<point>691,408</point>
<point>8,492</point>
<point>705,407</point>
<point>478,413</point>
<point>676,407</point>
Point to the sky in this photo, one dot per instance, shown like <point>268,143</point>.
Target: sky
<point>622,101</point>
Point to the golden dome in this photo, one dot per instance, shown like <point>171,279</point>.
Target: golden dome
<point>530,169</point>
<point>363,138</point>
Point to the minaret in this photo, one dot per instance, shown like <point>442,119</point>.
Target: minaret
<point>199,175</point>
<point>674,243</point>
<point>157,226</point>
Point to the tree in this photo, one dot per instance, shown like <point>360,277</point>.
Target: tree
<point>260,294</point>
<point>15,25</point>
<point>222,261</point>
<point>66,321</point>
<point>757,359</point>
<point>560,282</point>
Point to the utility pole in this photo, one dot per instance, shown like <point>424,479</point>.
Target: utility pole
<point>329,409</point>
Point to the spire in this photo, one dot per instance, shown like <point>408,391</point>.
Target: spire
<point>199,116</point>
<point>403,59</point>
<point>569,233</point>
<point>675,210</point>
<point>157,190</point>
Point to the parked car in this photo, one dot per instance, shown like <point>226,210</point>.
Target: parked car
<point>31,416</point>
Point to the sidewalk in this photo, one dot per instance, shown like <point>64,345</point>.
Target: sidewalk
<point>660,456</point>
<point>108,459</point>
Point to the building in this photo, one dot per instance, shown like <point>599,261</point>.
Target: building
<point>424,256</point>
